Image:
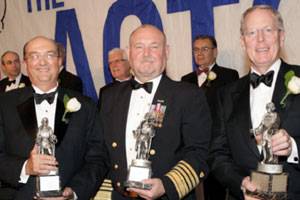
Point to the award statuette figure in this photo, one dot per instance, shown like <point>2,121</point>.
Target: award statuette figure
<point>269,178</point>
<point>140,167</point>
<point>47,185</point>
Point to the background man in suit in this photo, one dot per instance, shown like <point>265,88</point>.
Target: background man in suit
<point>79,154</point>
<point>65,78</point>
<point>178,149</point>
<point>242,105</point>
<point>119,65</point>
<point>205,51</point>
<point>11,66</point>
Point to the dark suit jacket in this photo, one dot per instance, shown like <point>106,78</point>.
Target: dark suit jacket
<point>79,150</point>
<point>234,151</point>
<point>224,76</point>
<point>183,138</point>
<point>4,82</point>
<point>70,81</point>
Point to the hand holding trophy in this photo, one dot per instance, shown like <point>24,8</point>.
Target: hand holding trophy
<point>140,167</point>
<point>47,186</point>
<point>269,178</point>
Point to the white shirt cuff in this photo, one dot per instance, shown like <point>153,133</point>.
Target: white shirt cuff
<point>293,158</point>
<point>23,176</point>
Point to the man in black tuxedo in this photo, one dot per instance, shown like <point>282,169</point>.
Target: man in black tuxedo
<point>119,67</point>
<point>65,78</point>
<point>205,51</point>
<point>242,105</point>
<point>209,75</point>
<point>80,156</point>
<point>11,66</point>
<point>179,147</point>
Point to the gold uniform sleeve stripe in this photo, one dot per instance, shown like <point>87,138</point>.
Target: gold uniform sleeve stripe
<point>191,172</point>
<point>182,182</point>
<point>185,170</point>
<point>183,177</point>
<point>189,183</point>
<point>173,179</point>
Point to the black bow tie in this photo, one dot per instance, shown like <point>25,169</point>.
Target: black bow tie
<point>256,79</point>
<point>136,85</point>
<point>46,96</point>
<point>11,82</point>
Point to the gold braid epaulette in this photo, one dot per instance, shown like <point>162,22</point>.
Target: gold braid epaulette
<point>184,178</point>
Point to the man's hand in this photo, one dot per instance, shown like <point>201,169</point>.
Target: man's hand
<point>248,185</point>
<point>38,164</point>
<point>281,143</point>
<point>157,189</point>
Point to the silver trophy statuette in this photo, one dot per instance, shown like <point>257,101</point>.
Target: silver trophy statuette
<point>140,167</point>
<point>47,185</point>
<point>269,177</point>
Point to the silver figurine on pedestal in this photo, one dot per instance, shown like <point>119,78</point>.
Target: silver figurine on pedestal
<point>47,185</point>
<point>140,167</point>
<point>269,178</point>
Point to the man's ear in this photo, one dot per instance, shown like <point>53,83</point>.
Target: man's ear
<point>167,51</point>
<point>242,41</point>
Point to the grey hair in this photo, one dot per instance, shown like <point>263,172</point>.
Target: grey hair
<point>115,50</point>
<point>277,16</point>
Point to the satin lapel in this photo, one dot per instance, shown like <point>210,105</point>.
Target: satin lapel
<point>162,91</point>
<point>280,90</point>
<point>162,95</point>
<point>26,111</point>
<point>60,126</point>
<point>120,112</point>
<point>242,113</point>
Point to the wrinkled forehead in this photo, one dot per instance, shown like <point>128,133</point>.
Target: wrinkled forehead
<point>259,17</point>
<point>41,45</point>
<point>149,33</point>
<point>10,56</point>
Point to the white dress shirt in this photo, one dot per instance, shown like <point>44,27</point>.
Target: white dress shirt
<point>140,103</point>
<point>14,85</point>
<point>42,110</point>
<point>203,76</point>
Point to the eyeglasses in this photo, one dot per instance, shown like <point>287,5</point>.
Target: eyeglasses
<point>202,49</point>
<point>50,56</point>
<point>9,62</point>
<point>116,61</point>
<point>267,31</point>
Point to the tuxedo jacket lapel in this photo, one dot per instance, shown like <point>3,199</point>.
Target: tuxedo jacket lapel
<point>60,126</point>
<point>120,113</point>
<point>280,90</point>
<point>242,113</point>
<point>26,111</point>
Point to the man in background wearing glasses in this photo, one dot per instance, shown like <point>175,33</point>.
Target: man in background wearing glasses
<point>209,76</point>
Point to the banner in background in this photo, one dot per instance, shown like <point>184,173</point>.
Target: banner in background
<point>89,29</point>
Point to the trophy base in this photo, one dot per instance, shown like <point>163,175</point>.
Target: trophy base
<point>269,186</point>
<point>48,186</point>
<point>138,185</point>
<point>48,194</point>
<point>139,170</point>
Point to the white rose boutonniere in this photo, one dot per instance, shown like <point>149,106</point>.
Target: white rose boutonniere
<point>71,105</point>
<point>21,85</point>
<point>292,84</point>
<point>210,77</point>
